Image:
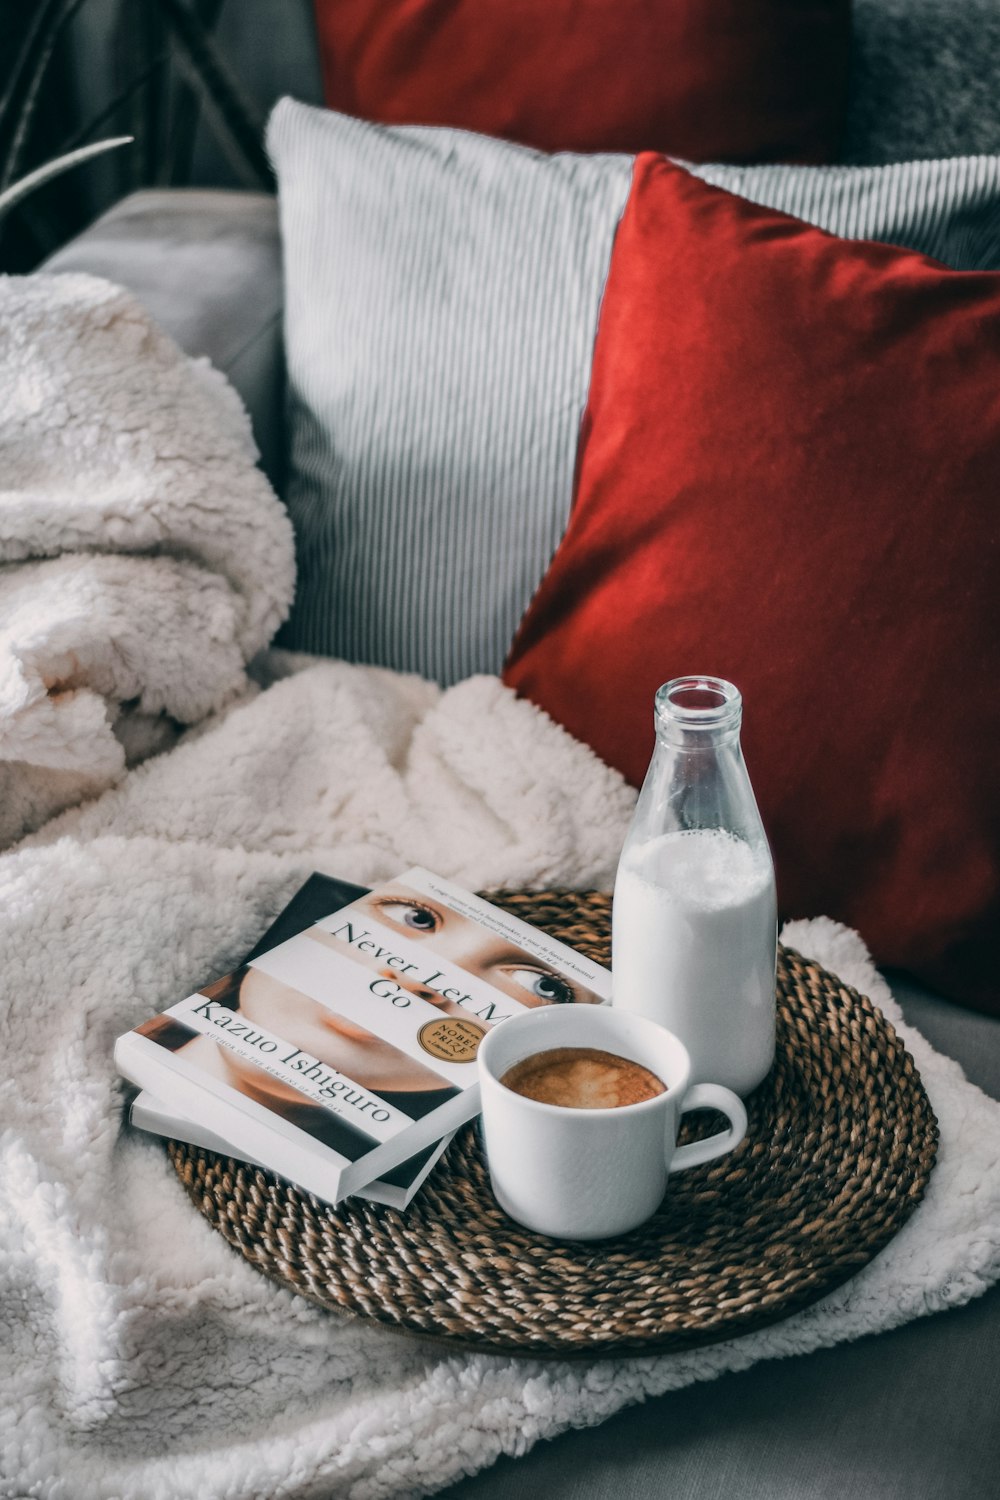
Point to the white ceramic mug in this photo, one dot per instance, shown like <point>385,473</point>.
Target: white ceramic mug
<point>586,1174</point>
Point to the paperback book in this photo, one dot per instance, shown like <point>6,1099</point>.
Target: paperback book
<point>320,895</point>
<point>343,1050</point>
<point>396,1189</point>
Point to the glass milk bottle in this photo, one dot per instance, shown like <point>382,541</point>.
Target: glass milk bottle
<point>694,927</point>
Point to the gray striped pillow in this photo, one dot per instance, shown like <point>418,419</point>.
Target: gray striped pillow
<point>442,294</point>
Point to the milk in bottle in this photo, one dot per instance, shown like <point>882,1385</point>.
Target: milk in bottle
<point>694,928</point>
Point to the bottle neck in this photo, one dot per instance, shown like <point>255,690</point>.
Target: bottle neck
<point>698,714</point>
<point>697,778</point>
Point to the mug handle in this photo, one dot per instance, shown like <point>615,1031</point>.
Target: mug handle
<point>711,1096</point>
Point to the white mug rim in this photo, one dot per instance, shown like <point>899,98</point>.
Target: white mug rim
<point>671,1091</point>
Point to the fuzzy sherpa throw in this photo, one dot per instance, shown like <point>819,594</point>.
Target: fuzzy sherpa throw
<point>144,558</point>
<point>141,1356</point>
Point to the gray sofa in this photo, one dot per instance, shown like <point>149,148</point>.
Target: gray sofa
<point>910,1415</point>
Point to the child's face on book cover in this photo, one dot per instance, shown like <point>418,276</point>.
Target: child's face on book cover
<point>334,1040</point>
<point>469,946</point>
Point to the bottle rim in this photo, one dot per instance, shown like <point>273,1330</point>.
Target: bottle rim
<point>699,703</point>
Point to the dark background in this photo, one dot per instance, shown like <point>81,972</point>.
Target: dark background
<point>192,80</point>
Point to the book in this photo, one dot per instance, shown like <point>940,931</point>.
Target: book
<point>315,899</point>
<point>396,1189</point>
<point>343,1050</point>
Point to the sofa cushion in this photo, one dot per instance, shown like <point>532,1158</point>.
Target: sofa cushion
<point>788,477</point>
<point>442,299</point>
<point>708,79</point>
<point>924,80</point>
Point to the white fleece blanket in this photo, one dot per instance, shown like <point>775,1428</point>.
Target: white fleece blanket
<point>144,559</point>
<point>142,1357</point>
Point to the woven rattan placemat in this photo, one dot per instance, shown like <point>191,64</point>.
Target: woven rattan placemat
<point>839,1149</point>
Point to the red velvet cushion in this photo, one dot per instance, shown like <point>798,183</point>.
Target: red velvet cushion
<point>788,477</point>
<point>711,80</point>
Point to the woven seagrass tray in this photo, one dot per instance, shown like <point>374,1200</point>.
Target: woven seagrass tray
<point>839,1149</point>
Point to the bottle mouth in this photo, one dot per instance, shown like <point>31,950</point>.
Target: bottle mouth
<point>699,703</point>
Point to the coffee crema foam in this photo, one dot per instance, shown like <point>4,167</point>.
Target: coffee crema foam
<point>582,1078</point>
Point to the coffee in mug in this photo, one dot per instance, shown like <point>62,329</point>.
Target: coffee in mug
<point>591,1157</point>
<point>582,1078</point>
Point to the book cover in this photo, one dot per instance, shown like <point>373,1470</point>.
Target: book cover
<point>342,1051</point>
<point>320,895</point>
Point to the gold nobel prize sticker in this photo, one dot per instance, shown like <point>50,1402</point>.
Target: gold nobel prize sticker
<point>452,1039</point>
